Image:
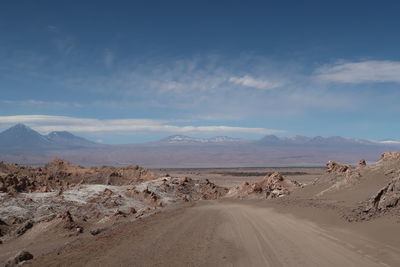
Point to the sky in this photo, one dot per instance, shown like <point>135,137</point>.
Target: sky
<point>137,71</point>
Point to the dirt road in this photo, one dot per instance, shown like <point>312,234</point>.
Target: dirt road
<point>218,234</point>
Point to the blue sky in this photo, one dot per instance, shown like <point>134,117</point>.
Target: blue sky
<point>125,71</point>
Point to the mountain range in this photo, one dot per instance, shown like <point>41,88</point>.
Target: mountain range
<point>24,145</point>
<point>20,137</point>
<point>183,139</point>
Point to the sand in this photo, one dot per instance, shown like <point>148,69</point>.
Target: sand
<point>227,233</point>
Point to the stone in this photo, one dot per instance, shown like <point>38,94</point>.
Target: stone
<point>25,227</point>
<point>19,258</point>
<point>362,163</point>
<point>334,167</point>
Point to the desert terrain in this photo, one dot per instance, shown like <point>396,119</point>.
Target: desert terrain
<point>199,133</point>
<point>62,214</point>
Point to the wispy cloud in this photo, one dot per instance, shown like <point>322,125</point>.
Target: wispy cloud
<point>360,72</point>
<point>39,103</point>
<point>249,81</point>
<point>65,45</point>
<point>52,28</point>
<point>108,58</point>
<point>45,123</point>
<point>207,86</point>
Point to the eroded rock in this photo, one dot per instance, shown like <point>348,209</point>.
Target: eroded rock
<point>25,227</point>
<point>19,259</point>
<point>390,156</point>
<point>334,167</point>
<point>386,198</point>
<point>68,221</point>
<point>61,175</point>
<point>362,163</point>
<point>272,186</point>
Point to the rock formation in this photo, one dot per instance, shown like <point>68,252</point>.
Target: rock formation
<point>362,163</point>
<point>60,174</point>
<point>386,198</point>
<point>390,156</point>
<point>338,176</point>
<point>19,259</point>
<point>334,167</point>
<point>272,186</point>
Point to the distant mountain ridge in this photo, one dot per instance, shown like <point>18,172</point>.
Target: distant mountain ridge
<point>67,138</point>
<point>23,145</point>
<point>21,136</point>
<point>174,139</point>
<point>317,140</point>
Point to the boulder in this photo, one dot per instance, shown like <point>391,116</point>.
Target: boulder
<point>25,227</point>
<point>19,259</point>
<point>362,163</point>
<point>68,221</point>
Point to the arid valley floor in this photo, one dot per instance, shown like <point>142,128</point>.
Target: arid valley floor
<point>62,214</point>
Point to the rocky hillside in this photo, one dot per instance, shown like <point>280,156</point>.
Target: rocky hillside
<point>361,192</point>
<point>70,199</point>
<point>61,174</point>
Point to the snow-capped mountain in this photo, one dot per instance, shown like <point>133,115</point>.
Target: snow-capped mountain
<point>174,139</point>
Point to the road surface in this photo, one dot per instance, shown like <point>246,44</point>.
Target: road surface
<point>214,234</point>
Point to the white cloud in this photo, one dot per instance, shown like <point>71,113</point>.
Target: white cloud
<point>360,72</point>
<point>249,81</point>
<point>45,124</point>
<point>388,142</point>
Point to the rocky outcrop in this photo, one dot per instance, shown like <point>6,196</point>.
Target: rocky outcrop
<point>19,259</point>
<point>67,220</point>
<point>386,198</point>
<point>50,195</point>
<point>25,227</point>
<point>334,167</point>
<point>362,163</point>
<point>185,189</point>
<point>13,184</point>
<point>338,176</point>
<point>272,186</point>
<point>390,156</point>
<point>60,174</point>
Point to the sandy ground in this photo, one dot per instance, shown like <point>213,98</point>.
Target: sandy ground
<point>230,233</point>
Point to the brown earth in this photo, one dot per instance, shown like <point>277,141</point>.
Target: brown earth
<point>227,233</point>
